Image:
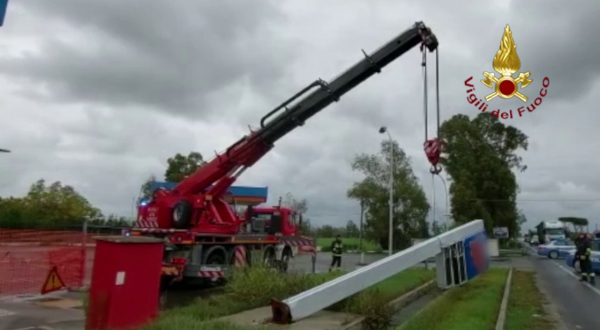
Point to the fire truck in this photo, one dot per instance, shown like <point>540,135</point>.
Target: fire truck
<point>203,235</point>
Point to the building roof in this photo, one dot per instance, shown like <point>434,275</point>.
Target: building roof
<point>241,195</point>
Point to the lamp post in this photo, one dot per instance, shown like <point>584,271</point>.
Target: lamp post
<point>383,130</point>
<point>4,150</point>
<point>362,253</point>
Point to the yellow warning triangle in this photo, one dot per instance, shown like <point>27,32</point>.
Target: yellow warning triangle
<point>53,281</point>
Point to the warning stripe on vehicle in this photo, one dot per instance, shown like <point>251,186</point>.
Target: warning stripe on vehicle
<point>146,224</point>
<point>211,274</point>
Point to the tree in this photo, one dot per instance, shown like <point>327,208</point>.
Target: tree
<point>480,155</point>
<point>298,205</point>
<point>47,206</point>
<point>326,231</point>
<point>577,224</point>
<point>147,186</point>
<point>352,229</point>
<point>410,203</point>
<point>179,166</point>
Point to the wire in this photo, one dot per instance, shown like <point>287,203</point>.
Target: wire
<point>424,65</point>
<point>433,193</point>
<point>437,87</point>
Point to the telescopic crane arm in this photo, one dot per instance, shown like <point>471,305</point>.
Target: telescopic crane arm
<point>285,118</point>
<point>203,190</point>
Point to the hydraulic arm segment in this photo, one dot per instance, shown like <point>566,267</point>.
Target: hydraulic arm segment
<point>197,202</point>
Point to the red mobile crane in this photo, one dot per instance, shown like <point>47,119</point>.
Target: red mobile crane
<point>203,234</point>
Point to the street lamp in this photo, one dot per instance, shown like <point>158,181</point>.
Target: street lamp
<point>383,130</point>
<point>4,150</point>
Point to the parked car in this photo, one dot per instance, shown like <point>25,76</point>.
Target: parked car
<point>571,262</point>
<point>556,249</point>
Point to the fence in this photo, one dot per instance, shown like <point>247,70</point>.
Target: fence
<point>28,255</point>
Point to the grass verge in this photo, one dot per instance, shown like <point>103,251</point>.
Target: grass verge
<point>349,244</point>
<point>525,304</point>
<point>472,306</point>
<point>247,289</point>
<point>263,284</point>
<point>189,324</point>
<point>373,302</point>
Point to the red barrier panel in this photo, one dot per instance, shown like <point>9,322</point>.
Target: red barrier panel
<point>27,256</point>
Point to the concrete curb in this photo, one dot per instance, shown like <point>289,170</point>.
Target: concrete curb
<point>397,303</point>
<point>503,306</point>
<point>411,296</point>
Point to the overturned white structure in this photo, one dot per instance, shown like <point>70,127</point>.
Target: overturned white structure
<point>460,255</point>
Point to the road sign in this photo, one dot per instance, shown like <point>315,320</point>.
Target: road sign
<point>53,281</point>
<point>500,232</point>
<point>3,4</point>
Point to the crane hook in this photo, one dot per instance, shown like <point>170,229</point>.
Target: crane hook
<point>433,147</point>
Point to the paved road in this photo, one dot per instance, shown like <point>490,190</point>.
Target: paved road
<point>577,303</point>
<point>56,311</point>
<point>303,263</point>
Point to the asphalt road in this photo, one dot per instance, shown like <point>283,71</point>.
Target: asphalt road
<point>577,303</point>
<point>303,263</point>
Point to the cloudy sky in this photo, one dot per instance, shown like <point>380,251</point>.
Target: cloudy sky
<point>98,94</point>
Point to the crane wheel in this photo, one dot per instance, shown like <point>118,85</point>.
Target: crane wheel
<point>182,214</point>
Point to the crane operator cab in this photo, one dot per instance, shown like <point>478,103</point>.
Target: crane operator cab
<point>271,220</point>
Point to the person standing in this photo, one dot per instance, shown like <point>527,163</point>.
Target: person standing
<point>585,260</point>
<point>336,253</point>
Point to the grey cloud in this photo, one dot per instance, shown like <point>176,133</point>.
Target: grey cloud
<point>167,56</point>
<point>142,80</point>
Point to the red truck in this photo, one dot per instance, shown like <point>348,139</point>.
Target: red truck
<point>203,234</point>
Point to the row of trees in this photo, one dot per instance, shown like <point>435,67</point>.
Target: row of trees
<point>480,155</point>
<point>52,206</point>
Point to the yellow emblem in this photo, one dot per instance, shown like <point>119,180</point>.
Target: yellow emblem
<point>506,62</point>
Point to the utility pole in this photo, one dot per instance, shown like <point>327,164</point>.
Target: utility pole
<point>360,235</point>
<point>383,130</point>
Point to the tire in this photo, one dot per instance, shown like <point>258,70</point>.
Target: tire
<point>216,255</point>
<point>553,255</point>
<point>182,214</point>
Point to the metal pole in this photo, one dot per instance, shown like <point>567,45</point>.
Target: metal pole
<point>391,221</point>
<point>382,130</point>
<point>84,252</point>
<point>362,253</point>
<point>360,233</point>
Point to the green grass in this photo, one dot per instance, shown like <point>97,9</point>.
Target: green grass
<point>256,286</point>
<point>247,289</point>
<point>474,306</point>
<point>373,302</point>
<point>349,244</point>
<point>187,323</point>
<point>525,301</point>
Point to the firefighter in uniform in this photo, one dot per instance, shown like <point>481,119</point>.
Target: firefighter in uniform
<point>584,251</point>
<point>336,252</point>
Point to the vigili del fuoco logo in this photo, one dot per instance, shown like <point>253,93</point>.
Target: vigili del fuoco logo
<point>505,85</point>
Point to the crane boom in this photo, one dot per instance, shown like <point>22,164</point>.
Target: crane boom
<point>207,185</point>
